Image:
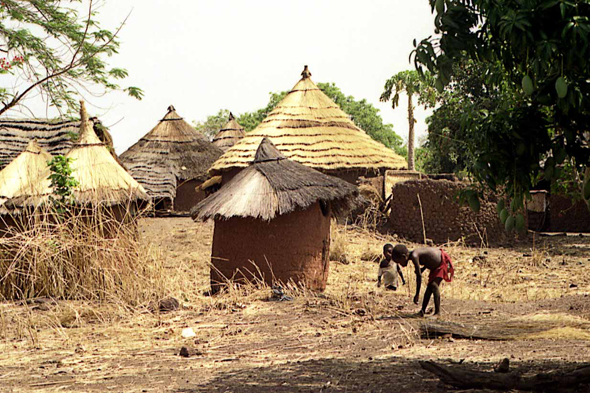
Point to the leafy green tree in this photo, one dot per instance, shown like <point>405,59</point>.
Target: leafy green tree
<point>362,113</point>
<point>411,83</point>
<point>212,124</point>
<point>543,47</point>
<point>55,51</point>
<point>62,182</point>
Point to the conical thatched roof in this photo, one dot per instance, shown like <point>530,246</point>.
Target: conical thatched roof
<point>101,179</point>
<point>26,175</point>
<point>172,151</point>
<point>273,185</point>
<point>229,134</point>
<point>308,127</point>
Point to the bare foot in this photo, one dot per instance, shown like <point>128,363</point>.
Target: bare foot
<point>421,313</point>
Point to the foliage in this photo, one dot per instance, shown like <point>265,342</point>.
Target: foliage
<point>411,83</point>
<point>542,45</point>
<point>212,124</point>
<point>62,181</point>
<point>362,113</point>
<point>55,51</point>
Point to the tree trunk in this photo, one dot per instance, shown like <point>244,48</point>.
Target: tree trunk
<point>411,133</point>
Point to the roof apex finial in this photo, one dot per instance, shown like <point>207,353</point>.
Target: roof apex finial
<point>171,108</point>
<point>83,113</point>
<point>306,73</point>
<point>231,116</point>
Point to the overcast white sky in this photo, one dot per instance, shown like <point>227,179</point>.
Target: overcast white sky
<point>202,56</point>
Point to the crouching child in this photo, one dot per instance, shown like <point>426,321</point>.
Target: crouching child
<point>388,271</point>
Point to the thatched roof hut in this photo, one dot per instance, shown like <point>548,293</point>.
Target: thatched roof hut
<point>309,128</point>
<point>229,134</point>
<point>55,136</point>
<point>170,161</point>
<point>27,174</point>
<point>277,214</point>
<point>101,179</point>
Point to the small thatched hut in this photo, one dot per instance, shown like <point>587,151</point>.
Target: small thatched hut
<point>170,161</point>
<point>309,128</point>
<point>54,136</point>
<point>276,213</point>
<point>229,134</point>
<point>27,174</point>
<point>102,181</point>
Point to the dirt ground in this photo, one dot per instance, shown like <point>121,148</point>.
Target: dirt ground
<point>355,337</point>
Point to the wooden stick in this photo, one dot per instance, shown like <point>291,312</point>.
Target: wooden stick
<point>422,216</point>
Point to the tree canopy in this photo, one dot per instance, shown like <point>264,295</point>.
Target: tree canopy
<point>50,48</point>
<point>364,115</point>
<point>541,48</point>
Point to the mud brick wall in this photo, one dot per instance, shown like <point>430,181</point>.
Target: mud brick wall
<point>292,247</point>
<point>565,217</point>
<point>444,220</point>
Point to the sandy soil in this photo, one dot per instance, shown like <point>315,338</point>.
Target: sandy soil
<point>353,338</point>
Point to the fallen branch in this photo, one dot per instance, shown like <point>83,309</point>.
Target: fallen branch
<point>458,376</point>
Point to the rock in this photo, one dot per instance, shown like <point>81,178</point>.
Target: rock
<point>184,352</point>
<point>168,304</point>
<point>503,366</point>
<point>188,333</point>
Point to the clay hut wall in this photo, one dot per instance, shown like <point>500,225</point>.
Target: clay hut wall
<point>565,216</point>
<point>296,246</point>
<point>444,219</point>
<point>187,197</point>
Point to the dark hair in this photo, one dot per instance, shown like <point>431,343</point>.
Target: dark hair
<point>399,251</point>
<point>388,245</point>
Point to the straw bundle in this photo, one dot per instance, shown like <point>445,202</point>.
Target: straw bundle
<point>308,127</point>
<point>273,185</point>
<point>101,179</point>
<point>26,175</point>
<point>229,134</point>
<point>172,152</point>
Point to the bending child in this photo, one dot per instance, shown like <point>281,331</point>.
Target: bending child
<point>434,259</point>
<point>387,271</point>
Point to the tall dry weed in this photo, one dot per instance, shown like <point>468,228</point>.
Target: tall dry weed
<point>83,255</point>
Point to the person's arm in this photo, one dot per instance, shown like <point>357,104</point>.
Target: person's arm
<point>379,277</point>
<point>401,275</point>
<point>416,263</point>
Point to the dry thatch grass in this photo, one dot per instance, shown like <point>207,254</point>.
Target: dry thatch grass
<point>82,255</point>
<point>308,127</point>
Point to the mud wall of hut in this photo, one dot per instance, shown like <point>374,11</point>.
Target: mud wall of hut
<point>187,196</point>
<point>567,217</point>
<point>293,247</point>
<point>444,219</point>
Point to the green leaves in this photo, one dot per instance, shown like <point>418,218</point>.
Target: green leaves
<point>527,85</point>
<point>62,182</point>
<point>561,87</point>
<point>62,51</point>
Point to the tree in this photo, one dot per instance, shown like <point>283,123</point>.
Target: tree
<point>543,47</point>
<point>411,83</point>
<point>448,142</point>
<point>362,113</point>
<point>212,124</point>
<point>57,53</point>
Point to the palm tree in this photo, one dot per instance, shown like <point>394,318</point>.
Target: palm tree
<point>411,83</point>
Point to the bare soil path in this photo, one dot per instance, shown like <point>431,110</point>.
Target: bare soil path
<point>353,338</point>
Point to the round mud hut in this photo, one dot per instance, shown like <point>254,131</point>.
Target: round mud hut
<point>101,181</point>
<point>272,222</point>
<point>170,161</point>
<point>311,129</point>
<point>229,134</point>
